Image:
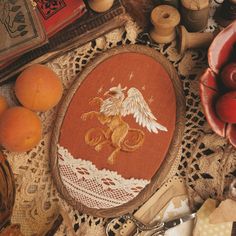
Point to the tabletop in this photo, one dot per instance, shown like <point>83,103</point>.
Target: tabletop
<point>203,154</point>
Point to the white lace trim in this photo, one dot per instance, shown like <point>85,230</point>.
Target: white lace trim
<point>93,187</point>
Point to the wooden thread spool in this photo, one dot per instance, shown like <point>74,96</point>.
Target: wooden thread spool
<point>188,40</point>
<point>100,5</point>
<point>164,18</point>
<point>195,14</point>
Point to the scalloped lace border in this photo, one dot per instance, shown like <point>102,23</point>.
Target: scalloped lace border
<point>93,187</point>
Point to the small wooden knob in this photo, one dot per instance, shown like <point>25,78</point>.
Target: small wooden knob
<point>100,5</point>
<point>164,19</point>
<point>188,40</point>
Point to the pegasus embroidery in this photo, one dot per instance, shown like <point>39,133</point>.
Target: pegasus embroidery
<point>118,132</point>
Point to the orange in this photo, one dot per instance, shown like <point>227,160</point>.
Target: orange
<point>3,104</point>
<point>38,88</point>
<point>20,129</point>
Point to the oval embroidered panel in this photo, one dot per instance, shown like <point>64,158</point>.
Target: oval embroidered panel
<point>115,128</point>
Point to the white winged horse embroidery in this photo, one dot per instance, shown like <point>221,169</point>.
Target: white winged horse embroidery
<point>118,132</point>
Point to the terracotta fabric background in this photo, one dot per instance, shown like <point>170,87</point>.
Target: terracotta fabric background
<point>130,70</point>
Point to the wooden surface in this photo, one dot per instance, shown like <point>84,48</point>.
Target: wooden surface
<point>166,165</point>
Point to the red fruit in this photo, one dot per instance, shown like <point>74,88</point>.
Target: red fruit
<point>209,92</point>
<point>228,75</point>
<point>226,107</point>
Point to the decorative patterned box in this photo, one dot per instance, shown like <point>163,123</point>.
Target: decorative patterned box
<point>20,29</point>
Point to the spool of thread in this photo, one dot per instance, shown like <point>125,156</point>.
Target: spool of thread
<point>188,40</point>
<point>100,5</point>
<point>195,14</point>
<point>164,19</point>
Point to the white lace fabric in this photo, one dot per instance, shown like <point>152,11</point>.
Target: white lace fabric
<point>95,188</point>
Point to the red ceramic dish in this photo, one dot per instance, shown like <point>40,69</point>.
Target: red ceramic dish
<point>211,87</point>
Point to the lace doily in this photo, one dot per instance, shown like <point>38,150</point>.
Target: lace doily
<point>204,154</point>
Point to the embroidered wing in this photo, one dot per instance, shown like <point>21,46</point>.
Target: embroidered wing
<point>135,104</point>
